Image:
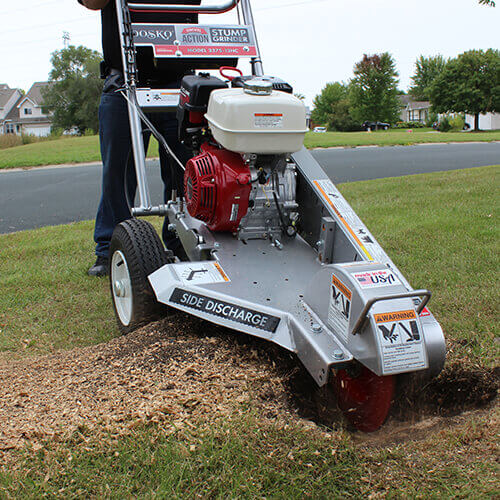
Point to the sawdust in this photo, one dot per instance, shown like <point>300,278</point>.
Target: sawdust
<point>176,370</point>
<point>181,370</point>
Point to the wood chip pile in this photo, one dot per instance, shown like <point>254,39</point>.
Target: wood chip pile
<point>176,371</point>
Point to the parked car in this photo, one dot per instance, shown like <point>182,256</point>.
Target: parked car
<point>368,125</point>
<point>319,130</point>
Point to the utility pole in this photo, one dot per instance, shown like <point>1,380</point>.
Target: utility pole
<point>66,38</point>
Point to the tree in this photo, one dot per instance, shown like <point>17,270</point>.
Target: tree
<point>75,89</point>
<point>332,108</point>
<point>374,93</point>
<point>469,84</point>
<point>426,70</point>
<point>331,94</point>
<point>491,3</point>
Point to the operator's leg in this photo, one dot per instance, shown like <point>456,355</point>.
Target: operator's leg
<point>166,123</point>
<point>114,134</point>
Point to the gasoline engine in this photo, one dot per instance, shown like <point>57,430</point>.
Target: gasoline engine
<point>241,178</point>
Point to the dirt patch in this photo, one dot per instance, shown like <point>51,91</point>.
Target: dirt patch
<point>181,369</point>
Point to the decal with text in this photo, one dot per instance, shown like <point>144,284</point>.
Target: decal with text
<point>232,312</point>
<point>340,307</point>
<point>372,279</point>
<point>400,339</point>
<point>200,273</point>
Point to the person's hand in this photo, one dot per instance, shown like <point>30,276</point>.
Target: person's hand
<point>95,4</point>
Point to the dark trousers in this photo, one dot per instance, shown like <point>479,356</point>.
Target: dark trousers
<point>118,176</point>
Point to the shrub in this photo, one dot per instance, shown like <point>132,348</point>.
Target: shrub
<point>457,123</point>
<point>56,132</point>
<point>88,132</point>
<point>444,125</point>
<point>409,125</point>
<point>29,138</point>
<point>432,118</point>
<point>10,141</point>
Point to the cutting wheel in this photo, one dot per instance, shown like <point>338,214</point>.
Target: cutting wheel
<point>365,398</point>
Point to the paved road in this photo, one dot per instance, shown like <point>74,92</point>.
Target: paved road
<point>41,197</point>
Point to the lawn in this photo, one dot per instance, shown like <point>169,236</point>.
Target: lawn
<point>442,231</point>
<point>86,149</point>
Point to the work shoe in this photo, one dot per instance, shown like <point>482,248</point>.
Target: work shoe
<point>100,268</point>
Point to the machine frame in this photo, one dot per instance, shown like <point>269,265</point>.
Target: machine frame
<point>330,294</point>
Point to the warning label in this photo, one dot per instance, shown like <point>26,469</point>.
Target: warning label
<point>200,273</point>
<point>395,316</point>
<point>339,309</point>
<point>268,120</point>
<point>400,341</point>
<point>375,279</point>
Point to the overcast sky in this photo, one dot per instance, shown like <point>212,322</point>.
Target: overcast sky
<point>307,42</point>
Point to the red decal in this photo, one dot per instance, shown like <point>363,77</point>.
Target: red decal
<point>425,312</point>
<point>204,50</point>
<point>194,30</point>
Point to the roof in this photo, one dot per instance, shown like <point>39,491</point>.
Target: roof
<point>404,99</point>
<point>5,94</point>
<point>34,93</point>
<point>419,105</point>
<point>13,114</point>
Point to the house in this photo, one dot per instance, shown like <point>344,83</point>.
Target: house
<point>8,98</point>
<point>414,111</point>
<point>26,115</point>
<point>487,121</point>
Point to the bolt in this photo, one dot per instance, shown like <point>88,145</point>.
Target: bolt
<point>316,328</point>
<point>171,227</point>
<point>119,288</point>
<point>216,244</point>
<point>319,244</point>
<point>338,354</point>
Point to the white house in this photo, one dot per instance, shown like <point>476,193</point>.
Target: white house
<point>487,121</point>
<point>26,115</point>
<point>413,111</point>
<point>8,98</point>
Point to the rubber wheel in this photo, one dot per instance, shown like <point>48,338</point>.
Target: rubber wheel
<point>364,398</point>
<point>135,252</point>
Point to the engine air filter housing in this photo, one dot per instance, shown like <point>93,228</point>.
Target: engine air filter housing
<point>217,188</point>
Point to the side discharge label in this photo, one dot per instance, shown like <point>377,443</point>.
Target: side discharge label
<point>233,312</point>
<point>200,273</point>
<point>376,279</point>
<point>339,309</point>
<point>400,340</point>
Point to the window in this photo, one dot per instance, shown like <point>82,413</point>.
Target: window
<point>28,111</point>
<point>9,128</point>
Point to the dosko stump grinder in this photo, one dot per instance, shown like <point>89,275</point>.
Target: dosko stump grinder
<point>269,245</point>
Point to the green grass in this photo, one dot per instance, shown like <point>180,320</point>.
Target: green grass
<point>441,229</point>
<point>61,151</point>
<point>397,137</point>
<point>86,149</point>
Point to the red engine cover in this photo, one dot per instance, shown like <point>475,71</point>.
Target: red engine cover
<point>217,188</point>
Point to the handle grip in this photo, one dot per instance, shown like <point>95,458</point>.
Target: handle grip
<point>199,9</point>
<point>229,68</point>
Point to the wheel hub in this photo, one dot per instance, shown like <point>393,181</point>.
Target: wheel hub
<point>121,287</point>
